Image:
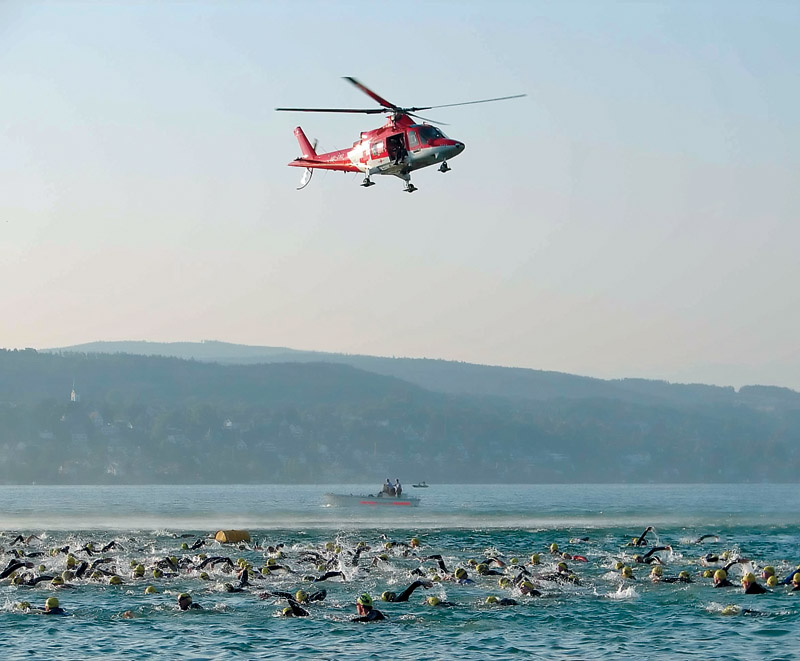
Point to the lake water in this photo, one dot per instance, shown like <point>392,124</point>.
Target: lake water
<point>602,616</point>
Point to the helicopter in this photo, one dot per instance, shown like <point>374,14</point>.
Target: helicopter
<point>397,148</point>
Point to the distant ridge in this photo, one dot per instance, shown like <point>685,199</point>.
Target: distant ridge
<point>459,378</point>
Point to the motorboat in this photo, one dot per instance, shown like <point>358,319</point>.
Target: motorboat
<point>380,500</point>
<point>421,485</point>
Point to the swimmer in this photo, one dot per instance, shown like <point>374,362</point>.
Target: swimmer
<point>185,603</point>
<point>294,609</point>
<point>796,582</point>
<point>323,577</point>
<point>366,613</point>
<point>721,579</point>
<point>51,607</point>
<point>649,558</point>
<point>702,538</point>
<point>751,586</point>
<point>435,601</point>
<point>491,599</point>
<point>405,594</point>
<point>642,541</point>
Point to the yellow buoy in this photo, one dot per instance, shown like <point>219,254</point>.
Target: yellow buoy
<point>232,536</point>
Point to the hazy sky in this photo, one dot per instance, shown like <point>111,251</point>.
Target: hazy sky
<point>636,215</point>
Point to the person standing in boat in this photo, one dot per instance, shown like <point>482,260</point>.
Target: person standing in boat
<point>398,488</point>
<point>388,489</point>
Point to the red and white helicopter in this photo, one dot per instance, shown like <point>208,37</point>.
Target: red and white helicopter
<point>397,148</point>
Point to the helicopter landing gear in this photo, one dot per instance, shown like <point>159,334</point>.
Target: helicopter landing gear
<point>444,167</point>
<point>367,182</point>
<point>410,188</point>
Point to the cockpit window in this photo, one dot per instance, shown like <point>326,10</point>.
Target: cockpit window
<point>428,133</point>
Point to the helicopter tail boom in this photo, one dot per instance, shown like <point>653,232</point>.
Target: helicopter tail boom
<point>306,149</point>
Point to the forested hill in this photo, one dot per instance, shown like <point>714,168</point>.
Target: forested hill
<point>116,418</point>
<point>460,378</point>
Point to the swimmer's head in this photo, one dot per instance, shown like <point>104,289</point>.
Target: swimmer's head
<point>184,601</point>
<point>287,612</point>
<point>684,575</point>
<point>553,548</point>
<point>535,559</point>
<point>138,571</point>
<point>772,581</point>
<point>364,600</point>
<point>67,575</point>
<point>504,582</point>
<point>51,603</point>
<point>150,590</point>
<point>57,580</point>
<point>482,568</point>
<point>796,579</point>
<point>204,576</point>
<point>460,573</point>
<point>491,599</point>
<point>388,595</point>
<point>562,567</point>
<point>115,580</point>
<point>301,596</point>
<point>720,575</point>
<point>748,579</point>
<point>432,601</point>
<point>730,610</point>
<point>657,571</point>
<point>768,571</point>
<point>619,565</point>
<point>627,572</point>
<point>414,542</point>
<point>157,573</point>
<point>708,573</point>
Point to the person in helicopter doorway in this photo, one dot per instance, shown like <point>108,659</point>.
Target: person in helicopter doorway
<point>397,149</point>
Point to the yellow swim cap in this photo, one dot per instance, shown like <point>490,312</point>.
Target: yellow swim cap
<point>619,565</point>
<point>553,547</point>
<point>769,570</point>
<point>749,578</point>
<point>562,566</point>
<point>414,542</point>
<point>482,568</point>
<point>67,575</point>
<point>71,562</point>
<point>24,605</point>
<point>150,590</point>
<point>287,612</point>
<point>388,596</point>
<point>720,574</point>
<point>157,573</point>
<point>184,546</point>
<point>432,601</point>
<point>772,581</point>
<point>115,580</point>
<point>364,600</point>
<point>138,570</point>
<point>708,573</point>
<point>627,572</point>
<point>57,580</point>
<point>301,596</point>
<point>796,578</point>
<point>730,610</point>
<point>535,559</point>
<point>51,602</point>
<point>504,581</point>
<point>204,575</point>
<point>657,571</point>
<point>491,599</point>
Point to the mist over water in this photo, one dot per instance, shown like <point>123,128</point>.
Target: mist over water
<point>601,616</point>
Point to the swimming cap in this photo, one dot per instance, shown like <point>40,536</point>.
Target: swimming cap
<point>138,570</point>
<point>730,610</point>
<point>708,573</point>
<point>553,547</point>
<point>183,596</point>
<point>482,568</point>
<point>720,574</point>
<point>115,580</point>
<point>24,605</point>
<point>388,596</point>
<point>204,575</point>
<point>301,596</point>
<point>504,581</point>
<point>796,578</point>
<point>491,599</point>
<point>772,581</point>
<point>460,573</point>
<point>627,572</point>
<point>271,562</point>
<point>57,580</point>
<point>725,555</point>
<point>432,601</point>
<point>619,565</point>
<point>71,562</point>
<point>157,573</point>
<point>562,566</point>
<point>684,574</point>
<point>51,602</point>
<point>287,612</point>
<point>657,571</point>
<point>513,561</point>
<point>150,590</point>
<point>535,559</point>
<point>526,585</point>
<point>768,571</point>
<point>749,578</point>
<point>414,542</point>
<point>67,575</point>
<point>364,600</point>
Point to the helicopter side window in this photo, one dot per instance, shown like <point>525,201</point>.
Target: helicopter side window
<point>428,133</point>
<point>377,149</point>
<point>413,140</point>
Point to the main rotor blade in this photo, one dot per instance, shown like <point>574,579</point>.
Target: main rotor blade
<point>363,111</point>
<point>430,121</point>
<point>468,103</point>
<point>371,94</point>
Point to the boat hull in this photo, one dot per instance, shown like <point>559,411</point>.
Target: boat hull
<point>341,500</point>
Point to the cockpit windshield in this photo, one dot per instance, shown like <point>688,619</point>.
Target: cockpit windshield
<point>428,133</point>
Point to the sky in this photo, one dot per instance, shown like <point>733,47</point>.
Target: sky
<point>635,215</point>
